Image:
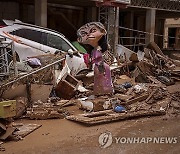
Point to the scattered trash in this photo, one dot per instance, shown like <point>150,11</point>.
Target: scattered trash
<point>86,105</point>
<point>34,62</point>
<point>139,88</point>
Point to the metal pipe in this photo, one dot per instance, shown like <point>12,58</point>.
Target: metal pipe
<point>40,69</point>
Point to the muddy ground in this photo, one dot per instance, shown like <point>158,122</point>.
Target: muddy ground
<point>61,136</point>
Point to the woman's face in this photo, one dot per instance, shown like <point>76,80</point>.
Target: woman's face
<point>90,35</point>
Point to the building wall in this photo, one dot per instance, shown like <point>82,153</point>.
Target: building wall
<point>168,25</point>
<point>27,13</point>
<point>59,17</point>
<point>132,20</point>
<point>9,10</point>
<point>172,21</point>
<point>159,29</point>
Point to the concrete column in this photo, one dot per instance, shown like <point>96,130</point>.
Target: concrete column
<point>41,12</point>
<point>165,38</point>
<point>150,24</point>
<point>116,29</point>
<point>111,27</point>
<point>177,45</point>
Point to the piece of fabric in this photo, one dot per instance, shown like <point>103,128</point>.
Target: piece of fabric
<point>34,62</point>
<point>86,59</point>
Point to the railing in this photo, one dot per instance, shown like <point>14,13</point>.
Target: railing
<point>135,43</point>
<point>6,57</point>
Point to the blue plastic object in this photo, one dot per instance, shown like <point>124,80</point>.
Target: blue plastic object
<point>127,85</point>
<point>119,108</point>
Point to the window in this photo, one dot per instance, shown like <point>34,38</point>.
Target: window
<point>57,42</point>
<point>43,38</point>
<point>29,34</point>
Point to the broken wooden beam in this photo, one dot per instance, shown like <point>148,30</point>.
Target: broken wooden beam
<point>137,99</point>
<point>155,47</point>
<point>109,116</point>
<point>149,97</point>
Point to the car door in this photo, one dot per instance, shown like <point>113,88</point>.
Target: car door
<point>58,42</point>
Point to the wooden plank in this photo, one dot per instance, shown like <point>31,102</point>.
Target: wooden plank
<point>8,133</point>
<point>137,99</point>
<point>26,129</point>
<point>149,97</point>
<point>113,117</point>
<point>155,47</point>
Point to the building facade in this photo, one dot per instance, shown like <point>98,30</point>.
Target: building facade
<point>132,25</point>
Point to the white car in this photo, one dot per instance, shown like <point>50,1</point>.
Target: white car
<point>34,40</point>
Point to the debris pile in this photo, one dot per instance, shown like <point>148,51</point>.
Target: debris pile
<point>140,82</point>
<point>42,111</point>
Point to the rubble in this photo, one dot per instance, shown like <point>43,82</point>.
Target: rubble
<point>8,132</point>
<point>15,131</point>
<point>25,129</point>
<point>2,148</point>
<point>42,111</point>
<point>141,82</point>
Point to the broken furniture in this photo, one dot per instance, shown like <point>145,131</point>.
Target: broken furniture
<point>67,86</point>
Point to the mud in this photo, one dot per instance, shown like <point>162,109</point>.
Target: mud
<point>62,136</point>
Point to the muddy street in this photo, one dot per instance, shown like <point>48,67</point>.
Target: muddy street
<point>62,136</point>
